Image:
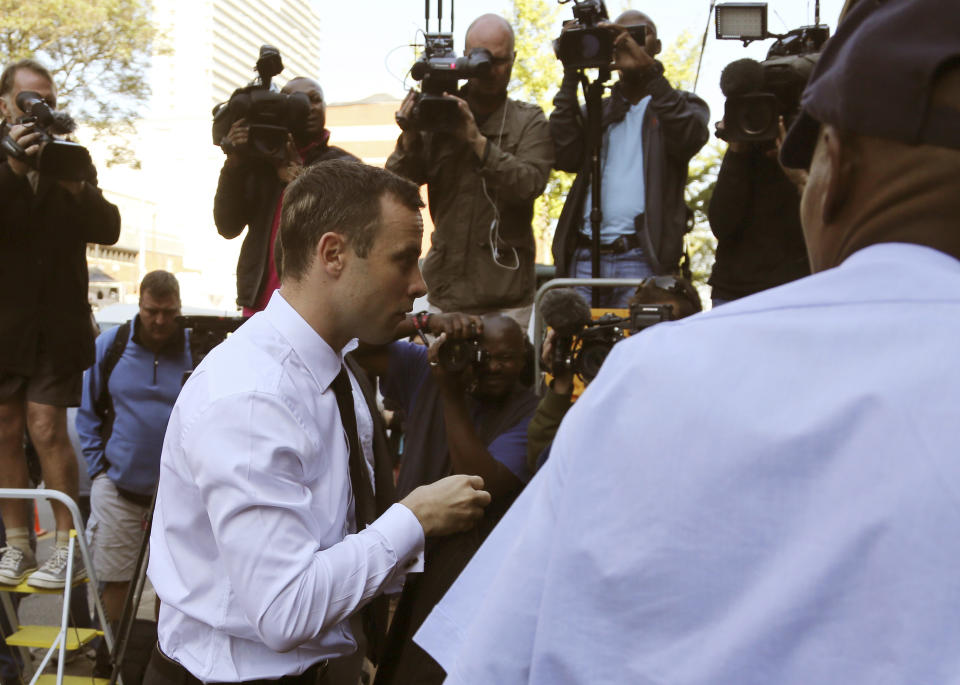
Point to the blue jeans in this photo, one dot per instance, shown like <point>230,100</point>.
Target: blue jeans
<point>630,264</point>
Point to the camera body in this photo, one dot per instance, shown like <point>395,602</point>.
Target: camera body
<point>271,116</point>
<point>60,159</point>
<point>584,44</point>
<point>456,355</point>
<point>439,70</point>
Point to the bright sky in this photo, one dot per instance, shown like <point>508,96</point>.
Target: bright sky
<point>364,43</point>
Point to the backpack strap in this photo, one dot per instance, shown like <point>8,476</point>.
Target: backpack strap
<point>104,403</point>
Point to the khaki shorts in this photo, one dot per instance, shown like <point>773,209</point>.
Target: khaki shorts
<point>114,531</point>
<point>45,386</point>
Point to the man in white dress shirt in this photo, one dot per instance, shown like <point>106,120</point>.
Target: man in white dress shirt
<point>768,492</point>
<point>259,552</point>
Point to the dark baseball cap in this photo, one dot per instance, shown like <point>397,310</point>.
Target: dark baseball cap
<point>875,77</point>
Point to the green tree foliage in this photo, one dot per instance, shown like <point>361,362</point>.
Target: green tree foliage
<point>536,78</point>
<point>98,52</point>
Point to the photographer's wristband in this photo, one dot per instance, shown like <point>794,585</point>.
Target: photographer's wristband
<point>421,321</point>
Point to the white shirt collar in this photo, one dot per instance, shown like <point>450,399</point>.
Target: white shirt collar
<point>320,359</point>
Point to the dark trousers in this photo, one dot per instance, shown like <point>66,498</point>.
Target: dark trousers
<point>162,670</point>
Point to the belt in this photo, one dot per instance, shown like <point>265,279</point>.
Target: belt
<point>624,243</point>
<point>163,670</point>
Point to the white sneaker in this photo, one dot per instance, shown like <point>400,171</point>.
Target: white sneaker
<point>53,573</point>
<point>15,565</point>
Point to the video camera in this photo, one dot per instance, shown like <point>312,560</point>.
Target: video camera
<point>584,44</point>
<point>60,159</point>
<point>759,93</point>
<point>271,115</point>
<point>582,343</point>
<point>438,70</point>
<point>583,353</point>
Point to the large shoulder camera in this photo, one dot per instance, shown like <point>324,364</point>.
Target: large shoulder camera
<point>584,44</point>
<point>439,70</point>
<point>759,93</point>
<point>60,159</point>
<point>271,115</point>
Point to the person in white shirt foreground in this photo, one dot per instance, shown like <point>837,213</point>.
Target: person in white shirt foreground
<point>768,492</point>
<point>259,552</point>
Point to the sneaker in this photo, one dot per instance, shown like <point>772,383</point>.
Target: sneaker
<point>15,565</point>
<point>53,573</point>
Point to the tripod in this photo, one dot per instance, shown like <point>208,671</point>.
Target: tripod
<point>593,93</point>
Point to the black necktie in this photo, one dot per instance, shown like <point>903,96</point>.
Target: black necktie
<point>364,506</point>
<point>374,615</point>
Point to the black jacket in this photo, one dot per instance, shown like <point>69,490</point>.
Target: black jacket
<point>755,214</point>
<point>674,129</point>
<point>43,270</point>
<point>247,195</point>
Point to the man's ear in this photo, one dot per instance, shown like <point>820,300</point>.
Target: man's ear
<point>331,253</point>
<point>657,47</point>
<point>5,111</point>
<point>842,168</point>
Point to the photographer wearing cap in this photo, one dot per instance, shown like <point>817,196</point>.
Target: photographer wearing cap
<point>650,132</point>
<point>47,341</point>
<point>462,417</point>
<point>250,192</point>
<point>783,508</point>
<point>482,180</point>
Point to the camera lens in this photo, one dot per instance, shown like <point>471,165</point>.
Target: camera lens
<point>757,118</point>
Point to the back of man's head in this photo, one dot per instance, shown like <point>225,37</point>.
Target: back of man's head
<point>880,132</point>
<point>337,196</point>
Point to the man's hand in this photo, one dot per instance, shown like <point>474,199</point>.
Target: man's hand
<point>468,130</point>
<point>27,138</point>
<point>456,325</point>
<point>562,378</point>
<point>236,137</point>
<point>292,164</point>
<point>450,505</point>
<point>732,145</point>
<point>410,138</point>
<point>628,55</point>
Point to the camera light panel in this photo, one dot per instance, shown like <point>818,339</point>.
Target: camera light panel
<point>742,21</point>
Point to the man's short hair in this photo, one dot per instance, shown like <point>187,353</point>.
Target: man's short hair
<point>160,284</point>
<point>341,197</point>
<point>10,73</point>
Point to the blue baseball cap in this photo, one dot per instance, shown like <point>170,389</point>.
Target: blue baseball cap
<point>876,75</point>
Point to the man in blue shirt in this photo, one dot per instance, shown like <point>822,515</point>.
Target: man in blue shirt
<point>472,421</point>
<point>651,131</point>
<point>123,451</point>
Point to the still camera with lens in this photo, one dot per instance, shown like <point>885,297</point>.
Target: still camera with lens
<point>585,43</point>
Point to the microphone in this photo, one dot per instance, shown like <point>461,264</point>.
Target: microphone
<point>565,311</point>
<point>741,77</point>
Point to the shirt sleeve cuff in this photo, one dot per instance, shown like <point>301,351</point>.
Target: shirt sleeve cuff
<point>404,532</point>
